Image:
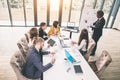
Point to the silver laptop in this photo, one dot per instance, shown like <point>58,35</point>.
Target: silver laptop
<point>63,44</point>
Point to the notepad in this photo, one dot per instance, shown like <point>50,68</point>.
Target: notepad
<point>78,69</point>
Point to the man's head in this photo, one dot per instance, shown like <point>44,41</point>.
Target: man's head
<point>100,14</point>
<point>43,25</point>
<point>38,42</point>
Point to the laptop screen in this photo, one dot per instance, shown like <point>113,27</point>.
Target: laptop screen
<point>70,24</point>
<point>69,57</point>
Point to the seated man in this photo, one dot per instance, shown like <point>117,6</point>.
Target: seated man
<point>42,32</point>
<point>33,68</point>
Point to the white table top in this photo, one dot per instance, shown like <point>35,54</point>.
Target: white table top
<point>60,67</point>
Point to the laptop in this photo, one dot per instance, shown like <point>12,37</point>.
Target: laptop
<point>71,25</point>
<point>63,44</point>
<point>69,57</point>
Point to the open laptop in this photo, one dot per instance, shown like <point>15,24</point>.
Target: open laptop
<point>70,57</point>
<point>63,44</point>
<point>71,25</point>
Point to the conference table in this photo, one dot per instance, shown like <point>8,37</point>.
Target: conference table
<point>62,68</point>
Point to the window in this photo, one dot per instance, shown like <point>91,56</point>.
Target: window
<point>89,3</point>
<point>65,12</point>
<point>54,10</point>
<point>29,12</point>
<point>41,11</point>
<point>76,10</point>
<point>33,12</point>
<point>117,21</point>
<point>106,8</point>
<point>17,12</point>
<point>98,4</point>
<point>4,14</point>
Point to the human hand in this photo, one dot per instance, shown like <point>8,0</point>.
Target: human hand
<point>48,46</point>
<point>72,43</point>
<point>56,34</point>
<point>52,53</point>
<point>52,60</point>
<point>91,26</point>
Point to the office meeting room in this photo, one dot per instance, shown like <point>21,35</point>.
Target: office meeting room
<point>59,39</point>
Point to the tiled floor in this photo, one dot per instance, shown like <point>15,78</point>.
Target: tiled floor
<point>110,41</point>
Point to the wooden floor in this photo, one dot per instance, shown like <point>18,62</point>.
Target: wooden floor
<point>110,41</point>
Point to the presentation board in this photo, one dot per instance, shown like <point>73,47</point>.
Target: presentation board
<point>88,18</point>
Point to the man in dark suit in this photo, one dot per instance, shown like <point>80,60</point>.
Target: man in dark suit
<point>34,67</point>
<point>98,29</point>
<point>42,32</point>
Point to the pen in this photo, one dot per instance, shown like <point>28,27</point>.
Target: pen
<point>68,69</point>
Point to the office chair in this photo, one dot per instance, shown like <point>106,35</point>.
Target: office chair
<point>23,49</point>
<point>17,62</point>
<point>101,63</point>
<point>23,44</point>
<point>89,50</point>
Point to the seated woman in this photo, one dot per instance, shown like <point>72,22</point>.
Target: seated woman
<point>26,40</point>
<point>42,32</point>
<point>55,29</point>
<point>82,42</point>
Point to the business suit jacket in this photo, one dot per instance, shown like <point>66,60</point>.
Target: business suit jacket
<point>97,30</point>
<point>34,67</point>
<point>43,34</point>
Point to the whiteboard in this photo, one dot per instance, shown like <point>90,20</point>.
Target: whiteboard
<point>88,18</point>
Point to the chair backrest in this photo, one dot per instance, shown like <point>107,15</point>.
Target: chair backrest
<point>17,62</point>
<point>103,61</point>
<point>89,50</point>
<point>27,37</point>
<point>21,49</point>
<point>23,45</point>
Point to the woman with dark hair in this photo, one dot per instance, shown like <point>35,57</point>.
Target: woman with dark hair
<point>26,40</point>
<point>42,32</point>
<point>32,33</point>
<point>55,29</point>
<point>83,42</point>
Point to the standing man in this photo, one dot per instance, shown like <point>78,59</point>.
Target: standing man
<point>34,67</point>
<point>98,29</point>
